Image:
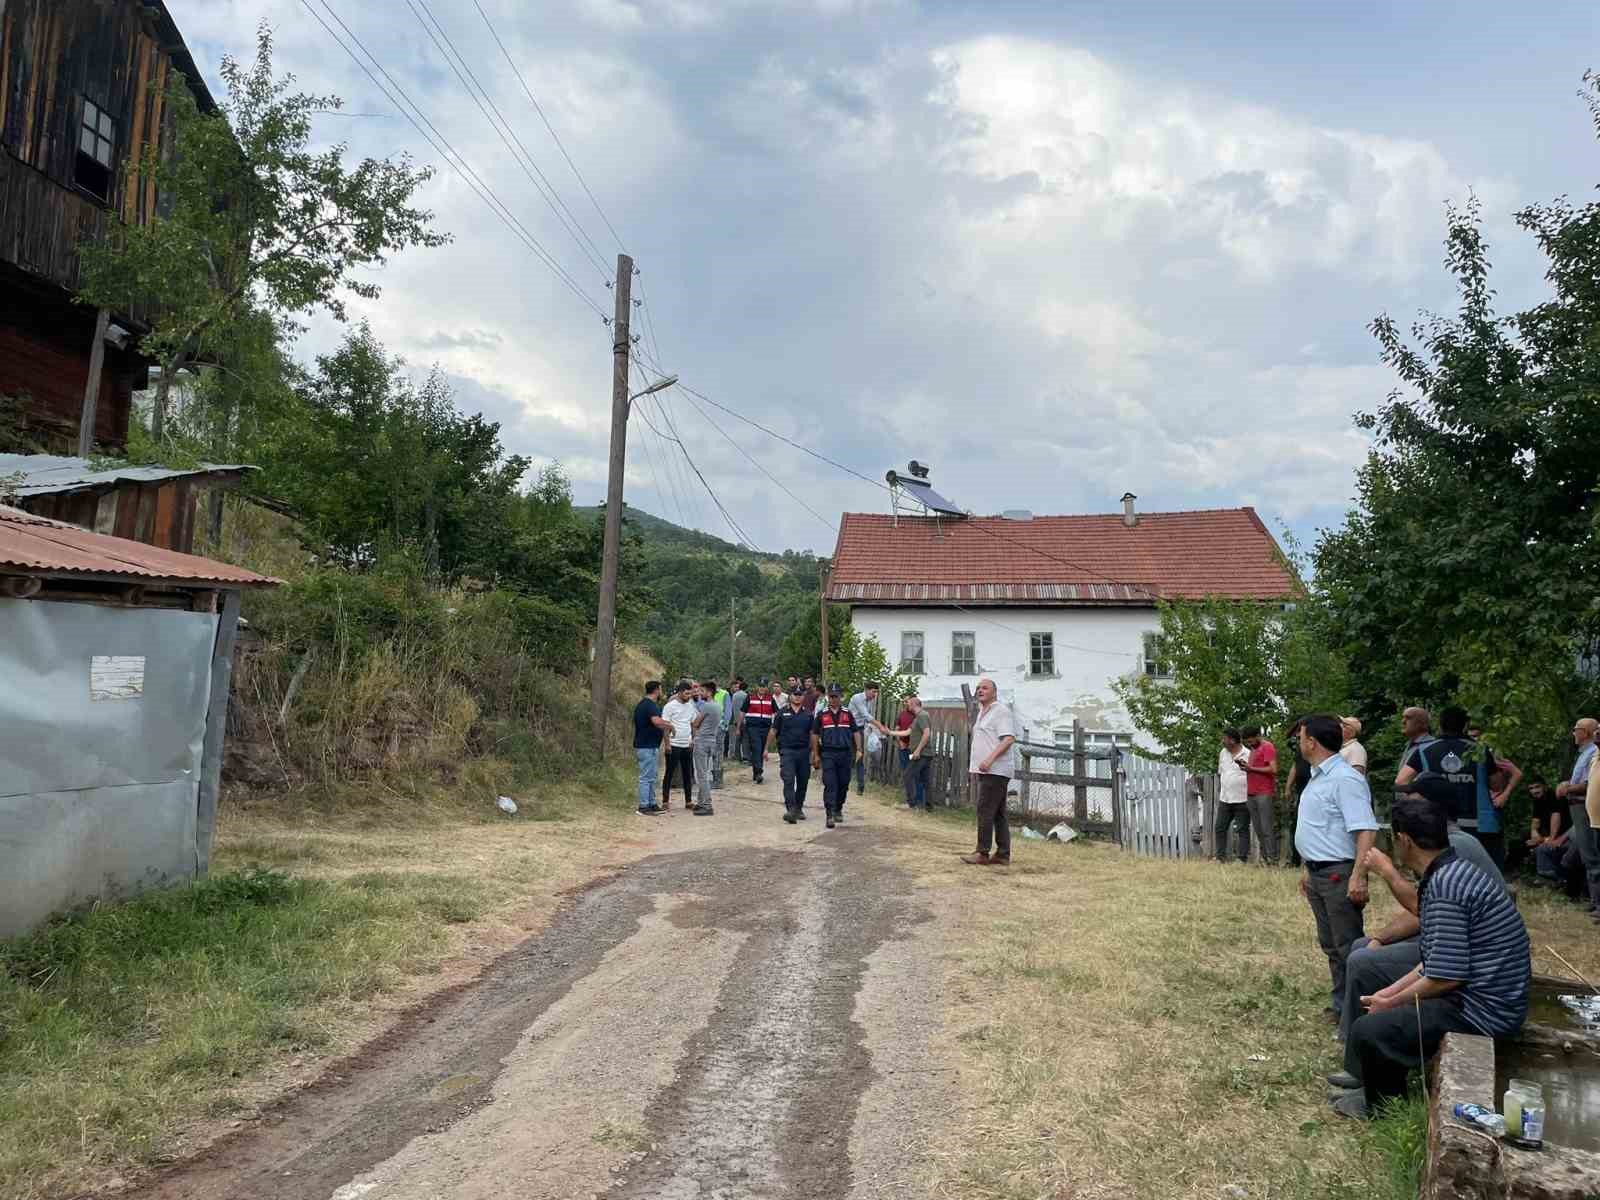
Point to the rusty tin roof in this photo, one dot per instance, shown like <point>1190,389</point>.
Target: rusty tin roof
<point>31,545</point>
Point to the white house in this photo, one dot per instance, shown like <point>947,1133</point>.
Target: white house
<point>1053,609</point>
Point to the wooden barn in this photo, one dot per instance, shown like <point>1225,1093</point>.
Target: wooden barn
<point>82,89</point>
<point>154,505</point>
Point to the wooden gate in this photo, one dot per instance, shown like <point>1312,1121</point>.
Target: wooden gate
<point>1161,813</point>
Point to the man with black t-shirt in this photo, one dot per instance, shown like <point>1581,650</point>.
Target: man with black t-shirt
<point>648,724</point>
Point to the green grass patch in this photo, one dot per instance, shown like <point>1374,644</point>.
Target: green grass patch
<point>122,1020</point>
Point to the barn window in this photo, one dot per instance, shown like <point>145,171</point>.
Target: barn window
<point>911,643</point>
<point>1041,654</point>
<point>97,136</point>
<point>963,653</point>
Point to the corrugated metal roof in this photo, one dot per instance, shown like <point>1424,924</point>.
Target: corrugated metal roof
<point>31,545</point>
<point>54,474</point>
<point>1066,560</point>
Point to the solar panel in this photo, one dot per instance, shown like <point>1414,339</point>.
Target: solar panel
<point>922,492</point>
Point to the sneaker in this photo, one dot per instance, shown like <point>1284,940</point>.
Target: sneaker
<point>789,818</point>
<point>830,821</point>
<point>703,812</point>
<point>1344,1081</point>
<point>652,811</point>
<point>980,859</point>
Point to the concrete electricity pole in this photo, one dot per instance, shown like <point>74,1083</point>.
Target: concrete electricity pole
<point>605,634</point>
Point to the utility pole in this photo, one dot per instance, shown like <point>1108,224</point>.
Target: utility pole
<point>733,635</point>
<point>605,634</point>
<point>824,601</point>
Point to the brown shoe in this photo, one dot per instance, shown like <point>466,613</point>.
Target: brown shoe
<point>999,860</point>
<point>980,859</point>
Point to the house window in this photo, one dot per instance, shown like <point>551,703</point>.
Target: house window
<point>97,135</point>
<point>1041,654</point>
<point>1156,663</point>
<point>963,653</point>
<point>911,652</point>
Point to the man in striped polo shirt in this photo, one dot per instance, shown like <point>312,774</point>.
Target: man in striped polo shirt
<point>1474,973</point>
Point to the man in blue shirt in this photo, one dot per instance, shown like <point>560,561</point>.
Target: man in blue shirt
<point>647,726</point>
<point>1572,791</point>
<point>1334,829</point>
<point>1475,968</point>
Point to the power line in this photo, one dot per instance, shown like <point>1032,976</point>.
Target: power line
<point>536,108</point>
<point>744,538</point>
<point>672,494</point>
<point>452,158</point>
<point>540,182</point>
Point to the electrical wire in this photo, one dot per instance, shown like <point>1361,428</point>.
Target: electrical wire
<point>672,493</point>
<point>452,158</point>
<point>744,538</point>
<point>502,128</point>
<point>536,108</point>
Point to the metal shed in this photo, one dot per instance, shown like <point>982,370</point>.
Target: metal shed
<point>115,665</point>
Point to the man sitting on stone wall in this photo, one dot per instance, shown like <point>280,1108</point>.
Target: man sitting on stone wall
<point>1474,973</point>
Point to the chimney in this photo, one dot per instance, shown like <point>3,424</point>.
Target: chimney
<point>1129,517</point>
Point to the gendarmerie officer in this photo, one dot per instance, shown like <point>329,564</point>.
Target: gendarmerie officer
<point>835,747</point>
<point>791,732</point>
<point>759,710</point>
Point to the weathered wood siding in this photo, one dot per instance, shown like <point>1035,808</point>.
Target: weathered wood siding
<point>159,514</point>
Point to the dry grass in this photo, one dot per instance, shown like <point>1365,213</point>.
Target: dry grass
<point>1133,1027</point>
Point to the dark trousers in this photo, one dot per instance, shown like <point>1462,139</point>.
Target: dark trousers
<point>861,774</point>
<point>915,780</point>
<point>681,759</point>
<point>755,747</point>
<point>1231,817</point>
<point>1369,970</point>
<point>795,768</point>
<point>992,823</point>
<point>835,779</point>
<point>1339,923</point>
<point>1388,1044</point>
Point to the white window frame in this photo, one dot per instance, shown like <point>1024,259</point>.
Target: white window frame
<point>1033,655</point>
<point>1155,666</point>
<point>918,665</point>
<point>972,666</point>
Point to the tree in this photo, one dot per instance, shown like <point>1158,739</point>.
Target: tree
<point>251,220</point>
<point>1232,663</point>
<point>1469,571</point>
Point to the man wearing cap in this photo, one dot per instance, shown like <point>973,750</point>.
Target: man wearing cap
<point>835,747</point>
<point>791,733</point>
<point>759,710</point>
<point>1353,752</point>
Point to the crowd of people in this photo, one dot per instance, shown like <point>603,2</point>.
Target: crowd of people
<point>1457,955</point>
<point>810,729</point>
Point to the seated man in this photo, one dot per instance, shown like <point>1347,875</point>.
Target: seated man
<point>1395,950</point>
<point>1474,973</point>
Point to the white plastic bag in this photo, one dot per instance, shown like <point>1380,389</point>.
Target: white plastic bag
<point>874,741</point>
<point>506,805</point>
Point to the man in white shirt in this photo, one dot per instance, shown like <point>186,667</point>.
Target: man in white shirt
<point>1233,808</point>
<point>993,763</point>
<point>1353,752</point>
<point>683,714</point>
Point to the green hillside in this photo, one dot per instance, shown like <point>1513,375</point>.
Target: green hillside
<point>694,576</point>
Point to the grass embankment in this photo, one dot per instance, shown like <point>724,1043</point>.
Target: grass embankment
<point>1137,1027</point>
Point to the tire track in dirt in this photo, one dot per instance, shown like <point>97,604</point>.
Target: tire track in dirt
<point>757,1099</point>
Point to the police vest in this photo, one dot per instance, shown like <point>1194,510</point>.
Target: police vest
<point>837,730</point>
<point>759,708</point>
<point>1448,776</point>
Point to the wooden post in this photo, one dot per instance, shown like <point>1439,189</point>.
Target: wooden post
<point>1023,795</point>
<point>1116,796</point>
<point>605,633</point>
<point>91,389</point>
<point>216,731</point>
<point>1080,768</point>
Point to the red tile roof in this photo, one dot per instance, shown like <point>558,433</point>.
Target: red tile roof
<point>1076,560</point>
<point>31,545</point>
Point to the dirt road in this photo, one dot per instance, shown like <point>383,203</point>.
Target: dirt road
<point>752,1011</point>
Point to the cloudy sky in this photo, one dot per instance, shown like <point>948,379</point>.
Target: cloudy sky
<point>1059,251</point>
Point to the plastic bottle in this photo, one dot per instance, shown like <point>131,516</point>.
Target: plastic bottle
<point>1485,1119</point>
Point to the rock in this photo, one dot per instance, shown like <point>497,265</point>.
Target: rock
<point>1235,1191</point>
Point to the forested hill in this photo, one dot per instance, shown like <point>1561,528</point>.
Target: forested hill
<point>695,576</point>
